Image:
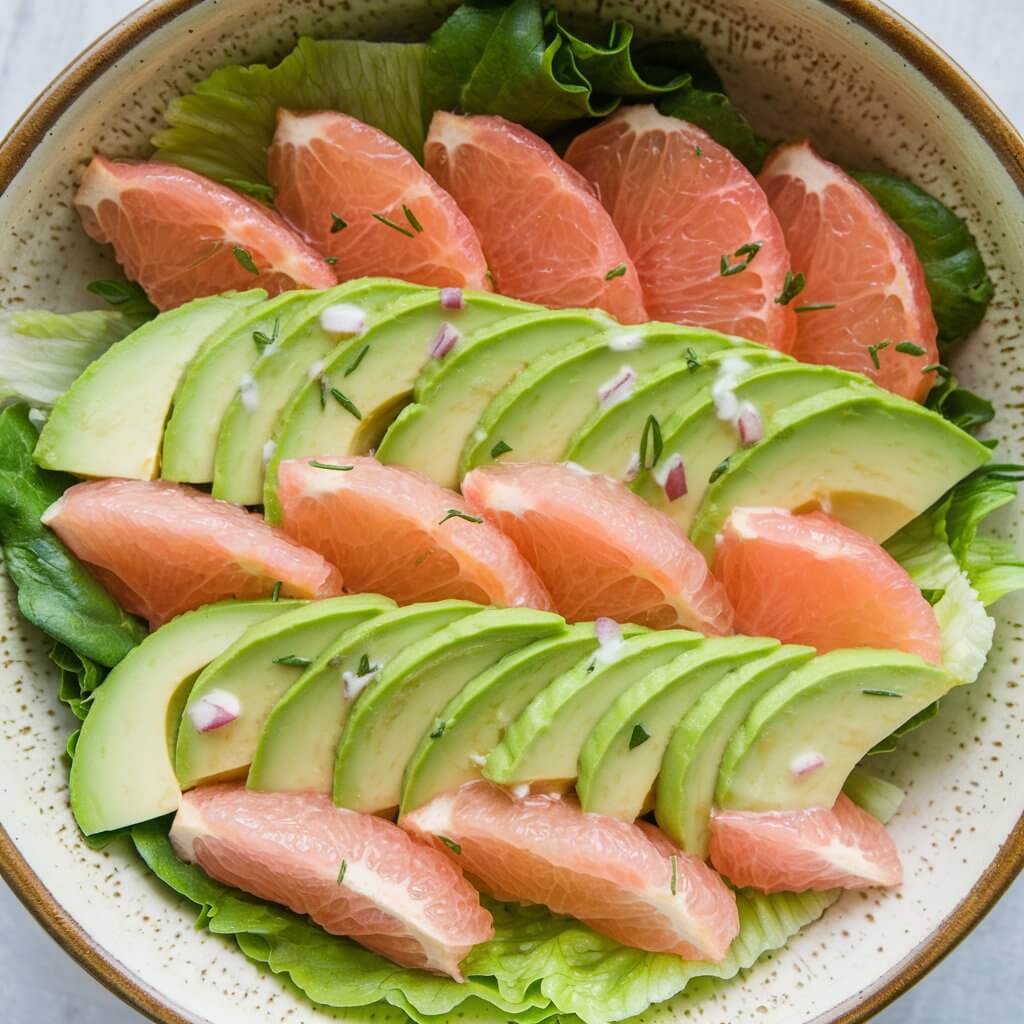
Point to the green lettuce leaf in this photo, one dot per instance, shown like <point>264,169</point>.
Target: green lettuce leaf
<point>224,127</point>
<point>954,270</point>
<point>967,629</point>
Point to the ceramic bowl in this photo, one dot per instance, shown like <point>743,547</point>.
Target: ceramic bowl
<point>871,91</point>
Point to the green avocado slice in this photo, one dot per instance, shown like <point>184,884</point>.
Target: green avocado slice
<point>620,761</point>
<point>346,408</point>
<point>689,769</point>
<point>472,722</point>
<point>248,421</point>
<point>123,771</point>
<point>257,669</point>
<point>452,393</point>
<point>543,743</point>
<point>298,744</point>
<point>872,460</point>
<point>541,409</point>
<point>110,422</point>
<point>609,439</point>
<point>802,739</point>
<point>388,720</point>
<point>704,441</point>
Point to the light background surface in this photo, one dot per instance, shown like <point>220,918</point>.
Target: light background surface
<point>983,980</point>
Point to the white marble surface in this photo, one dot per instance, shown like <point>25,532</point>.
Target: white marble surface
<point>983,980</point>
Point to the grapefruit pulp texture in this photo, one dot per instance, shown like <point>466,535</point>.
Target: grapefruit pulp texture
<point>682,202</point>
<point>182,236</point>
<point>855,259</point>
<point>161,549</point>
<point>388,529</point>
<point>599,549</point>
<point>625,880</point>
<point>355,194</point>
<point>546,236</point>
<point>353,874</point>
<point>807,579</point>
<point>791,851</point>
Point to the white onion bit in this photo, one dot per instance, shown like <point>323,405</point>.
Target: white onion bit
<point>672,477</point>
<point>477,759</point>
<point>343,318</point>
<point>216,709</point>
<point>452,298</point>
<point>521,791</point>
<point>444,341</point>
<point>731,370</point>
<point>353,684</point>
<point>805,763</point>
<point>626,342</point>
<point>268,451</point>
<point>748,424</point>
<point>575,467</point>
<point>38,418</point>
<point>607,631</point>
<point>618,388</point>
<point>315,369</point>
<point>633,469</point>
<point>249,392</point>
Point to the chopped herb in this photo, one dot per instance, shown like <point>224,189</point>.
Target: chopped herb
<point>675,874</point>
<point>275,594</point>
<point>873,351</point>
<point>330,260</point>
<point>943,372</point>
<point>792,286</point>
<point>262,340</point>
<point>293,660</point>
<point>341,872</point>
<point>411,218</point>
<point>364,665</point>
<point>438,731</point>
<point>748,252</point>
<point>908,348</point>
<point>652,434</point>
<point>322,381</point>
<point>451,844</point>
<point>454,513</point>
<point>590,668</point>
<point>615,272</point>
<point>391,224</point>
<point>245,258</point>
<point>499,449</point>
<point>251,188</point>
<point>881,693</point>
<point>719,470</point>
<point>329,465</point>
<point>337,223</point>
<point>698,150</point>
<point>346,403</point>
<point>814,307</point>
<point>123,293</point>
<point>933,596</point>
<point>692,360</point>
<point>351,368</point>
<point>638,735</point>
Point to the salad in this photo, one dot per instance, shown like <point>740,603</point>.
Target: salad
<point>502,511</point>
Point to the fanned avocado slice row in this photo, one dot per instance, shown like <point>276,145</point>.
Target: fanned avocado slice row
<point>298,744</point>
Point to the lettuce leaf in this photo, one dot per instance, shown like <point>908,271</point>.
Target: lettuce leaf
<point>967,629</point>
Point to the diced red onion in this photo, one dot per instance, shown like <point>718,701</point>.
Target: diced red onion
<point>806,763</point>
<point>748,424</point>
<point>214,710</point>
<point>452,298</point>
<point>672,477</point>
<point>619,388</point>
<point>445,340</point>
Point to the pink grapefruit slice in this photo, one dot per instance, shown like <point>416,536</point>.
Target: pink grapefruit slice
<point>807,579</point>
<point>162,549</point>
<point>393,531</point>
<point>683,204</point>
<point>599,549</point>
<point>353,874</point>
<point>182,236</point>
<point>625,880</point>
<point>865,292</point>
<point>355,194</point>
<point>546,236</point>
<point>819,848</point>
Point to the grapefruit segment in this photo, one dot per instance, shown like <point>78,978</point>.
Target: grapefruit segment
<point>162,549</point>
<point>807,579</point>
<point>356,195</point>
<point>682,203</point>
<point>860,269</point>
<point>546,236</point>
<point>625,880</point>
<point>599,549</point>
<point>816,848</point>
<point>182,236</point>
<point>390,531</point>
<point>353,874</point>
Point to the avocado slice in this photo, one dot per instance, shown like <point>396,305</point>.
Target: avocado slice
<point>703,441</point>
<point>608,441</point>
<point>310,716</point>
<point>388,720</point>
<point>365,384</point>
<point>257,669</point>
<point>123,772</point>
<point>451,394</point>
<point>543,743</point>
<point>689,769</point>
<point>247,425</point>
<point>539,411</point>
<point>110,422</point>
<point>473,721</point>
<point>873,460</point>
<point>803,737</point>
<point>621,758</point>
<point>212,379</point>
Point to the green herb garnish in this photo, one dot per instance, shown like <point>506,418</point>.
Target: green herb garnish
<point>337,223</point>
<point>747,252</point>
<point>264,193</point>
<point>438,731</point>
<point>411,218</point>
<point>275,594</point>
<point>451,844</point>
<point>245,258</point>
<point>499,449</point>
<point>615,272</point>
<point>391,224</point>
<point>692,360</point>
<point>908,348</point>
<point>346,403</point>
<point>638,735</point>
<point>262,340</point>
<point>881,693</point>
<point>364,665</point>
<point>814,307</point>
<point>454,513</point>
<point>341,872</point>
<point>330,260</point>
<point>940,370</point>
<point>329,465</point>
<point>294,660</point>
<point>792,286</point>
<point>675,873</point>
<point>873,351</point>
<point>351,368</point>
<point>698,150</point>
<point>652,434</point>
<point>719,470</point>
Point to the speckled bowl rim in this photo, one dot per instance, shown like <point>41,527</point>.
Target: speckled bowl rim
<point>883,23</point>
